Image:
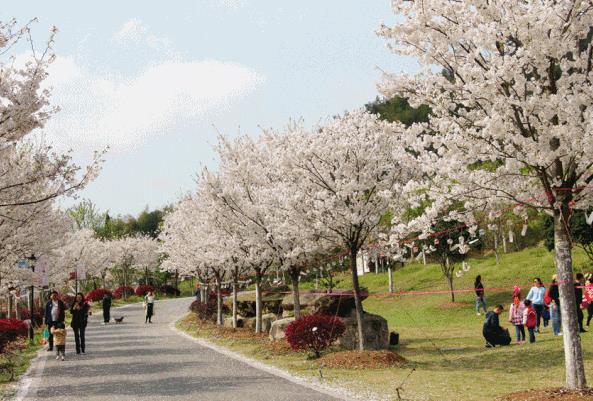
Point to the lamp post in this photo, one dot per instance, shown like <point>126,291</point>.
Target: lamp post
<point>32,259</point>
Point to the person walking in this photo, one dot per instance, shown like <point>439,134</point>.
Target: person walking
<point>516,318</point>
<point>106,304</point>
<point>554,295</point>
<point>578,294</point>
<point>480,300</point>
<point>80,311</point>
<point>536,296</point>
<point>149,306</point>
<point>530,319</point>
<point>58,331</point>
<point>54,314</point>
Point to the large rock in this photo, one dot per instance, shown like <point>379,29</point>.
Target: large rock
<point>375,331</point>
<point>228,321</point>
<point>271,300</point>
<point>279,327</point>
<point>338,303</point>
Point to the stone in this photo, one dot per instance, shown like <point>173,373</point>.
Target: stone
<point>267,321</point>
<point>228,321</point>
<point>375,331</point>
<point>279,327</point>
<point>271,301</point>
<point>337,303</point>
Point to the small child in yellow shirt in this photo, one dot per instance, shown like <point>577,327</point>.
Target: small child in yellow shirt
<point>59,333</point>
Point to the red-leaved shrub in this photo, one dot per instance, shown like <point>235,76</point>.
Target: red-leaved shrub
<point>68,300</point>
<point>10,330</point>
<point>97,294</point>
<point>143,289</point>
<point>169,290</point>
<point>314,333</point>
<point>119,291</point>
<point>207,310</point>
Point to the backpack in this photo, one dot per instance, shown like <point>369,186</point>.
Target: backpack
<point>531,318</point>
<point>547,297</point>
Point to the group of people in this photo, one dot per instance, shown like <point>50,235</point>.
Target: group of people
<point>539,305</point>
<point>55,317</point>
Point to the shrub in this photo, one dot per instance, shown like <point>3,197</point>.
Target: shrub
<point>143,289</point>
<point>97,294</point>
<point>169,290</point>
<point>11,330</point>
<point>119,291</point>
<point>37,318</point>
<point>314,333</point>
<point>207,310</point>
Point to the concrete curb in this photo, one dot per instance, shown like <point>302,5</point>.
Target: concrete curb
<point>310,383</point>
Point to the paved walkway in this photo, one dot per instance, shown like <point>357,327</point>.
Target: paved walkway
<point>137,361</point>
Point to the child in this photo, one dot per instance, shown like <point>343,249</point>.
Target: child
<point>59,333</point>
<point>530,319</point>
<point>516,318</point>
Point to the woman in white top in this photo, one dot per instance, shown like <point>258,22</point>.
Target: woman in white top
<point>149,304</point>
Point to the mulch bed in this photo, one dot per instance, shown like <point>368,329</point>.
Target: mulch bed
<point>362,359</point>
<point>553,394</point>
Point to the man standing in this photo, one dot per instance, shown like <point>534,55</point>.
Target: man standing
<point>578,294</point>
<point>106,303</point>
<point>54,314</point>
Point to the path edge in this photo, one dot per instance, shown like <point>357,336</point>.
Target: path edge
<point>310,383</point>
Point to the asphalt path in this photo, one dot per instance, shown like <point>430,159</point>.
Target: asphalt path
<point>138,361</point>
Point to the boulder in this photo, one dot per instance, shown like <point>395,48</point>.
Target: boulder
<point>279,327</point>
<point>375,331</point>
<point>228,321</point>
<point>337,303</point>
<point>271,300</point>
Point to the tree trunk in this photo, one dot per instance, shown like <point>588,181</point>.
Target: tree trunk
<point>176,280</point>
<point>294,278</point>
<point>125,282</point>
<point>573,354</point>
<point>390,275</point>
<point>219,317</point>
<point>356,289</point>
<point>10,305</point>
<point>449,276</point>
<point>235,288</point>
<point>504,242</point>
<point>258,301</point>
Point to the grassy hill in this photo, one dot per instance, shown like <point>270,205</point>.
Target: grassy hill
<point>443,340</point>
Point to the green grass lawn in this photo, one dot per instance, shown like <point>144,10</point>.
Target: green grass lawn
<point>7,389</point>
<point>443,341</point>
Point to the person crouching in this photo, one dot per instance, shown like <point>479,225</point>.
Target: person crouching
<point>493,333</point>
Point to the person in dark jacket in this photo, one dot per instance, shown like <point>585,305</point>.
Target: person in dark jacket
<point>54,314</point>
<point>555,307</point>
<point>106,303</point>
<point>480,300</point>
<point>578,294</point>
<point>80,311</point>
<point>493,333</point>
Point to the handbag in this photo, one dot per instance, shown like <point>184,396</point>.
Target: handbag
<point>45,333</point>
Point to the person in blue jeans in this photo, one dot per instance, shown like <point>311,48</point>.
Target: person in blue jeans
<point>555,307</point>
<point>536,296</point>
<point>480,300</point>
<point>54,314</point>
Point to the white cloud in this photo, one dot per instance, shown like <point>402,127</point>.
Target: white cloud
<point>132,30</point>
<point>234,4</point>
<point>122,112</point>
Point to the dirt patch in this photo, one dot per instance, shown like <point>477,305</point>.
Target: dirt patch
<point>362,359</point>
<point>553,394</point>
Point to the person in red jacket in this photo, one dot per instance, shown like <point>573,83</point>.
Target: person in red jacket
<point>530,319</point>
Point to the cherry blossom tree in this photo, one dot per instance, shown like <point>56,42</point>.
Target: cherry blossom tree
<point>345,176</point>
<point>510,116</point>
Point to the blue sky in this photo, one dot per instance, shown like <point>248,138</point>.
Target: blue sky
<point>156,80</point>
